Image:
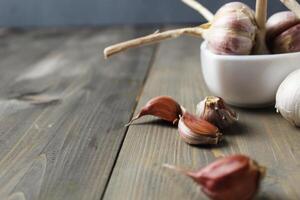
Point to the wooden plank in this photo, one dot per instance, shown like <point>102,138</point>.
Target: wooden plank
<point>62,117</point>
<point>19,50</point>
<point>261,134</point>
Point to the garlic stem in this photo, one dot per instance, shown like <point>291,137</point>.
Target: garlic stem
<point>261,19</point>
<point>153,38</point>
<point>209,16</point>
<point>293,5</point>
<point>261,13</point>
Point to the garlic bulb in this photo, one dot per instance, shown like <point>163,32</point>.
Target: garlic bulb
<point>280,22</point>
<point>283,29</point>
<point>288,98</point>
<point>283,32</point>
<point>232,30</point>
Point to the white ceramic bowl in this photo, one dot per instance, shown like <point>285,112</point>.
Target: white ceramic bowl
<point>246,81</point>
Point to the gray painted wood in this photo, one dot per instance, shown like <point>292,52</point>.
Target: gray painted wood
<point>63,110</point>
<point>262,134</point>
<point>103,12</point>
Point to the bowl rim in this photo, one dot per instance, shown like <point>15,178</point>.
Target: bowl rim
<point>203,48</point>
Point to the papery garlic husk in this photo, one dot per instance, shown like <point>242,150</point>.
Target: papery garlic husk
<point>280,22</point>
<point>288,98</point>
<point>214,110</point>
<point>234,177</point>
<point>288,41</point>
<point>196,131</point>
<point>233,30</point>
<point>163,107</point>
<point>283,32</point>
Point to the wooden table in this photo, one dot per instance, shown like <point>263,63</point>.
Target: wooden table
<point>63,109</point>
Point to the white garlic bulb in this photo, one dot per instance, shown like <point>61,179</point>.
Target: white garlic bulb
<point>288,98</point>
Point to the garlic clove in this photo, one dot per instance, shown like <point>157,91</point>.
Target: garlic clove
<point>163,107</point>
<point>196,131</point>
<point>229,178</point>
<point>214,110</point>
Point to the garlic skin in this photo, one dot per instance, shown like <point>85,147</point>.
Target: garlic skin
<point>283,32</point>
<point>288,98</point>
<point>196,131</point>
<point>214,110</point>
<point>163,107</point>
<point>279,22</point>
<point>233,177</point>
<point>288,41</point>
<point>232,30</point>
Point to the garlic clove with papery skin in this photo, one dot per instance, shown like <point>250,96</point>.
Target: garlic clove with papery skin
<point>214,110</point>
<point>196,131</point>
<point>288,98</point>
<point>164,107</point>
<point>235,177</point>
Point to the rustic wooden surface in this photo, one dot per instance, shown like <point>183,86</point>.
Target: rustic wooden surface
<point>63,110</point>
<point>261,134</point>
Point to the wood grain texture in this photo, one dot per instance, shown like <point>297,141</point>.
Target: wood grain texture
<point>261,134</point>
<point>63,110</point>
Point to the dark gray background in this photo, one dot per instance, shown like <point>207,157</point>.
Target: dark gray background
<point>104,12</point>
